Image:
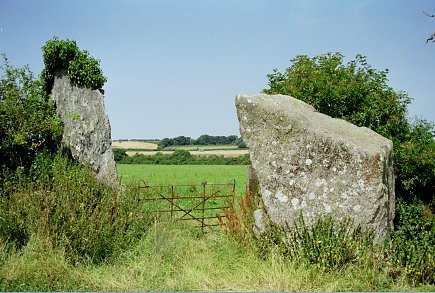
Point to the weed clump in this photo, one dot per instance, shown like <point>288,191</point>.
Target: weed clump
<point>412,247</point>
<point>327,244</point>
<point>238,222</point>
<point>331,246</point>
<point>89,220</point>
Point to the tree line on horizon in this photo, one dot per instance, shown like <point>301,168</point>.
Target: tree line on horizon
<point>204,139</point>
<point>178,157</point>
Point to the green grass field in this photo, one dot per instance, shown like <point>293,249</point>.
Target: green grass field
<point>158,175</point>
<point>184,174</point>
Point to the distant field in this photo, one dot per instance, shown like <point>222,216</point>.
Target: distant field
<point>126,144</point>
<point>140,145</point>
<point>225,153</point>
<point>149,149</point>
<point>203,147</point>
<point>185,174</point>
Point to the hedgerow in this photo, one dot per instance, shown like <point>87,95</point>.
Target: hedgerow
<point>179,157</point>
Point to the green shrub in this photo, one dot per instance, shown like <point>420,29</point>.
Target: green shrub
<point>415,162</point>
<point>79,66</point>
<point>28,122</point>
<point>327,244</point>
<point>89,220</point>
<point>412,249</point>
<point>119,154</point>
<point>183,157</point>
<point>43,193</point>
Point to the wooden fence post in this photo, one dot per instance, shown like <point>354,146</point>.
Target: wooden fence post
<point>252,184</point>
<point>172,202</point>
<point>203,206</point>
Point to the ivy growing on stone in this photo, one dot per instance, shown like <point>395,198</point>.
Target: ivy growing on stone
<point>78,65</point>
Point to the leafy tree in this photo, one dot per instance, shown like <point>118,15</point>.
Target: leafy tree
<point>203,140</point>
<point>166,142</point>
<point>181,140</point>
<point>240,143</point>
<point>354,92</point>
<point>28,122</point>
<point>79,66</point>
<point>358,93</point>
<point>215,140</point>
<point>232,139</point>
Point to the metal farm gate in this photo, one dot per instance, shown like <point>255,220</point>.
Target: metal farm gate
<point>201,203</point>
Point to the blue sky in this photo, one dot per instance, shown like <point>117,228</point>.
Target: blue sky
<point>174,67</point>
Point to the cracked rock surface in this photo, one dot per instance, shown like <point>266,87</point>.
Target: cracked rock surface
<point>310,163</point>
<point>87,132</point>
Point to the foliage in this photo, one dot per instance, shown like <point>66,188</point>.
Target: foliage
<point>238,222</point>
<point>203,140</point>
<point>79,66</point>
<point>331,245</point>
<point>28,122</point>
<point>183,157</point>
<point>240,143</point>
<point>215,140</point>
<point>180,140</point>
<point>412,247</point>
<point>354,92</point>
<point>66,203</point>
<point>119,154</point>
<point>415,160</point>
<point>327,244</point>
<point>359,94</point>
<point>334,246</point>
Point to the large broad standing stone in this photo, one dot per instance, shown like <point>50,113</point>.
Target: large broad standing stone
<point>86,131</point>
<point>310,163</point>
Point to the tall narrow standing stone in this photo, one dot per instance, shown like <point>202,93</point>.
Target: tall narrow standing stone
<point>87,131</point>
